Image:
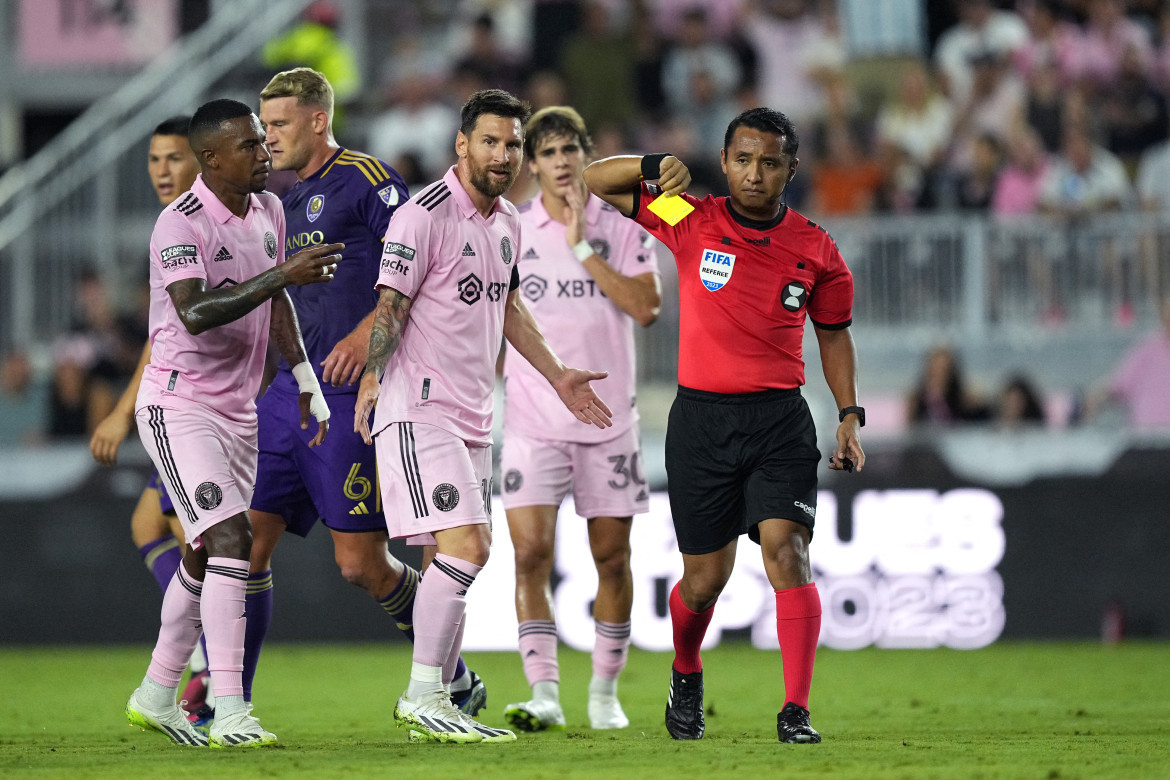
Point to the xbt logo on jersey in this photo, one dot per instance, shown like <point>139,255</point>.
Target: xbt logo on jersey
<point>715,268</point>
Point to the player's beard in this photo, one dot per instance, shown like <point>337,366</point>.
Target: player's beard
<point>489,186</point>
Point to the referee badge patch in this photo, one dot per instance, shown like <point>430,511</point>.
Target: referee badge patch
<point>315,207</point>
<point>208,495</point>
<point>446,497</point>
<point>715,268</point>
<point>793,296</point>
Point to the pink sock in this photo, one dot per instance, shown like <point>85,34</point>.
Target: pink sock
<point>689,629</point>
<point>798,627</point>
<point>538,651</point>
<point>453,659</point>
<point>439,604</point>
<point>179,631</point>
<point>611,648</point>
<point>222,607</point>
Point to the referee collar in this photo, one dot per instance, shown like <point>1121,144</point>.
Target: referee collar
<point>755,224</point>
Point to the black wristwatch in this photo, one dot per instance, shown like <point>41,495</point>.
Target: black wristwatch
<point>857,410</point>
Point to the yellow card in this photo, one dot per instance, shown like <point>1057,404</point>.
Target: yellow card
<point>671,208</point>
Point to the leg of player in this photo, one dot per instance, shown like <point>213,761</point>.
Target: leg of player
<point>784,545</point>
<point>533,530</point>
<point>267,529</point>
<point>609,539</point>
<point>692,604</point>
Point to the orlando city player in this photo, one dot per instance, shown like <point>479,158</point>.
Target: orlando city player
<point>346,197</point>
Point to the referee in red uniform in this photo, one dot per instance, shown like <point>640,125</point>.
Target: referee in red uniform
<point>741,448</point>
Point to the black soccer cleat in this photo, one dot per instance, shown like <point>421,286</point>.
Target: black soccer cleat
<point>684,705</point>
<point>792,725</point>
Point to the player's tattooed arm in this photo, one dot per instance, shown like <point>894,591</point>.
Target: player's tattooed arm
<point>285,331</point>
<point>386,332</point>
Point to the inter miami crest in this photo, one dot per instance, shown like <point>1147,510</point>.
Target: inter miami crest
<point>445,497</point>
<point>793,296</point>
<point>600,247</point>
<point>208,495</point>
<point>315,207</point>
<point>270,244</point>
<point>506,250</point>
<point>513,480</point>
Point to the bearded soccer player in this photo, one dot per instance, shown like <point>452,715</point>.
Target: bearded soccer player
<point>217,282</point>
<point>588,274</point>
<point>154,526</point>
<point>348,197</point>
<point>741,448</point>
<point>447,295</point>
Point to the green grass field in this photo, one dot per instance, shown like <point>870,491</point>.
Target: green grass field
<point>1013,710</point>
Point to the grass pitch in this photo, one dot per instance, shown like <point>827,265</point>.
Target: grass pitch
<point>1013,710</point>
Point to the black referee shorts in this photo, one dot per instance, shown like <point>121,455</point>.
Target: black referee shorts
<point>734,460</point>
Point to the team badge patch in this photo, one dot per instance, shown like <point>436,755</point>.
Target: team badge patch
<point>445,497</point>
<point>715,268</point>
<point>179,255</point>
<point>513,480</point>
<point>506,250</point>
<point>600,247</point>
<point>270,244</point>
<point>208,495</point>
<point>315,207</point>
<point>389,195</point>
<point>793,296</point>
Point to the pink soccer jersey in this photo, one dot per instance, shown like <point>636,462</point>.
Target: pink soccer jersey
<point>197,237</point>
<point>457,269</point>
<point>583,327</point>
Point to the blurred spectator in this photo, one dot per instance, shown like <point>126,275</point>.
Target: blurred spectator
<point>1084,178</point>
<point>1053,41</point>
<point>1153,176</point>
<point>882,28</point>
<point>512,27</point>
<point>693,55</point>
<point>315,43</point>
<point>941,398</point>
<point>845,181</point>
<point>78,398</point>
<point>649,47</point>
<point>982,29</point>
<point>1018,188</point>
<point>1133,113</point>
<point>992,108</point>
<point>598,65</point>
<point>546,88</point>
<point>914,131</point>
<point>483,54</point>
<point>23,402</point>
<point>722,16</point>
<point>976,187</point>
<point>1109,33</point>
<point>1044,108</point>
<point>418,123</point>
<point>795,49</point>
<point>1140,381</point>
<point>1019,405</point>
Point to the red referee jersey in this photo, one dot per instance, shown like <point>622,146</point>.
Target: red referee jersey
<point>744,289</point>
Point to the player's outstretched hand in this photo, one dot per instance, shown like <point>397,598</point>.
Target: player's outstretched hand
<point>314,405</point>
<point>673,176</point>
<point>574,389</point>
<point>367,399</point>
<point>108,437</point>
<point>848,448</point>
<point>313,265</point>
<point>344,364</point>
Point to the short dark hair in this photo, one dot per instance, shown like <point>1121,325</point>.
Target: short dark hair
<point>176,125</point>
<point>492,101</point>
<point>553,121</point>
<point>765,120</point>
<point>209,116</point>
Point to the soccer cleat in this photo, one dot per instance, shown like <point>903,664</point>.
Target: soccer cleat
<point>605,712</point>
<point>471,700</point>
<point>195,694</point>
<point>171,721</point>
<point>684,705</point>
<point>239,730</point>
<point>792,725</point>
<point>434,718</point>
<point>490,733</point>
<point>535,715</point>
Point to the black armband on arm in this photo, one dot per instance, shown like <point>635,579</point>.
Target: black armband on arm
<point>514,282</point>
<point>651,164</point>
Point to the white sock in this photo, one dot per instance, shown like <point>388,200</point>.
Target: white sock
<point>155,695</point>
<point>599,686</point>
<point>461,683</point>
<point>547,690</point>
<point>423,680</point>
<point>229,705</point>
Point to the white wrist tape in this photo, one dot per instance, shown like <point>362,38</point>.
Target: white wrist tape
<point>583,250</point>
<point>307,383</point>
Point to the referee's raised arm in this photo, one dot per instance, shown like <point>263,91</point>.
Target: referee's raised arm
<point>615,179</point>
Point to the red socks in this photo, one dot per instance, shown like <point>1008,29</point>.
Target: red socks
<point>689,630</point>
<point>798,627</point>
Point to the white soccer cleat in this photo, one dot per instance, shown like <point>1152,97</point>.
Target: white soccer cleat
<point>433,718</point>
<point>535,715</point>
<point>605,712</point>
<point>171,721</point>
<point>240,729</point>
<point>489,733</point>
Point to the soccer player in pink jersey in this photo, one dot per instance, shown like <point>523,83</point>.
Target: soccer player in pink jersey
<point>154,526</point>
<point>447,294</point>
<point>217,285</point>
<point>587,274</point>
